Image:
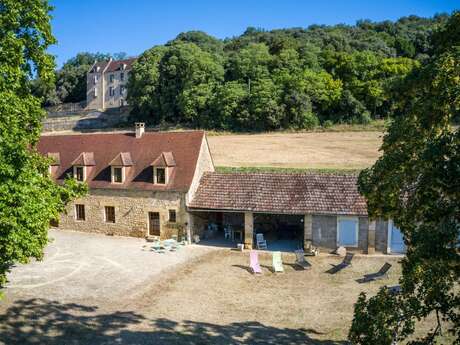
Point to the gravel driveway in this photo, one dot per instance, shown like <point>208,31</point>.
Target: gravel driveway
<point>92,268</point>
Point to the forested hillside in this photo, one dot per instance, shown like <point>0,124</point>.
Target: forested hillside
<point>289,78</point>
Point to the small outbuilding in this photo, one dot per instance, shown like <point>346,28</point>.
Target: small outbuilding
<point>325,210</point>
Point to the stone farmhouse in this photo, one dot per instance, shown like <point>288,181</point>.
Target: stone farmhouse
<point>164,183</point>
<point>106,84</point>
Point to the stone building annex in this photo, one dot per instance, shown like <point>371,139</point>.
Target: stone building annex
<point>163,183</point>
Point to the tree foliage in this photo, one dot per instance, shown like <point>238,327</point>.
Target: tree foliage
<point>416,183</point>
<point>29,198</point>
<point>290,78</point>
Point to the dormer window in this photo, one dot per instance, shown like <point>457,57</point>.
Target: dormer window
<point>117,175</point>
<point>80,165</point>
<point>160,175</point>
<point>163,167</point>
<point>79,173</point>
<point>119,167</point>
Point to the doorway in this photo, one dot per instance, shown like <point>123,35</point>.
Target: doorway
<point>395,239</point>
<point>154,224</point>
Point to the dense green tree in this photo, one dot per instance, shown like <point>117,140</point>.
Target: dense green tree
<point>29,198</point>
<point>339,73</point>
<point>230,108</point>
<point>206,42</point>
<point>264,106</point>
<point>250,63</point>
<point>143,85</point>
<point>416,184</point>
<point>182,67</point>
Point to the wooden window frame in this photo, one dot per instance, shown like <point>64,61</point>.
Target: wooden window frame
<point>174,218</point>
<point>155,175</point>
<point>113,174</point>
<point>78,217</point>
<point>106,213</point>
<point>75,175</point>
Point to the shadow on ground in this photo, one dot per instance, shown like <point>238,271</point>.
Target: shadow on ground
<point>40,321</point>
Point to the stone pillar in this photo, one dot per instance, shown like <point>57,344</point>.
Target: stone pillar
<point>248,229</point>
<point>371,237</point>
<point>307,231</point>
<point>189,227</point>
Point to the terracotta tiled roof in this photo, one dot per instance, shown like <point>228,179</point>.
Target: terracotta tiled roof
<point>280,193</point>
<point>105,147</point>
<point>101,64</point>
<point>166,159</point>
<point>85,159</point>
<point>122,159</point>
<point>116,65</point>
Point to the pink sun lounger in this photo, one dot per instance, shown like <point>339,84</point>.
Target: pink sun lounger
<point>254,262</point>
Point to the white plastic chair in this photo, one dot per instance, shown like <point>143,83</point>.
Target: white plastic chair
<point>227,233</point>
<point>261,243</point>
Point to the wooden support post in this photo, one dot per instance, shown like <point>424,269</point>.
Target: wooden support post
<point>248,229</point>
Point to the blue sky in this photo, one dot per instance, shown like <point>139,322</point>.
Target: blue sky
<point>132,26</point>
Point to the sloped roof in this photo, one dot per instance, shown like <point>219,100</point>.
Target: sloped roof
<point>85,159</point>
<point>280,193</point>
<point>116,65</point>
<point>105,146</point>
<point>122,159</point>
<point>166,159</point>
<point>101,64</point>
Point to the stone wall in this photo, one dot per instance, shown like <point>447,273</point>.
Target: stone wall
<point>86,120</point>
<point>131,212</point>
<point>204,164</point>
<point>363,230</point>
<point>324,231</point>
<point>92,101</point>
<point>381,235</point>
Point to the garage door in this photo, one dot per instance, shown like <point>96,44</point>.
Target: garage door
<point>396,239</point>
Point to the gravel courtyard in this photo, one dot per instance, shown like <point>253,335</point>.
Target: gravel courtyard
<point>93,289</point>
<point>92,268</point>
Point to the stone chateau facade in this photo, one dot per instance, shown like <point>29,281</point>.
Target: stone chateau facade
<point>106,84</point>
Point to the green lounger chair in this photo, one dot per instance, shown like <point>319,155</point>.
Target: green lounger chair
<point>277,262</point>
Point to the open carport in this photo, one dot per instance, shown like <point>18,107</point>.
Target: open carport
<point>291,210</point>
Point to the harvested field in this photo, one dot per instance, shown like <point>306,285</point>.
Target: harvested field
<point>316,150</point>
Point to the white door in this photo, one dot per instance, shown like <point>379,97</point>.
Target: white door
<point>395,239</point>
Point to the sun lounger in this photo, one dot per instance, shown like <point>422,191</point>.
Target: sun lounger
<point>300,259</point>
<point>344,264</point>
<point>381,274</point>
<point>277,262</point>
<point>254,262</point>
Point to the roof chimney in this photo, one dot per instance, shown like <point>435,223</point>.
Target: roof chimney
<point>140,129</point>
